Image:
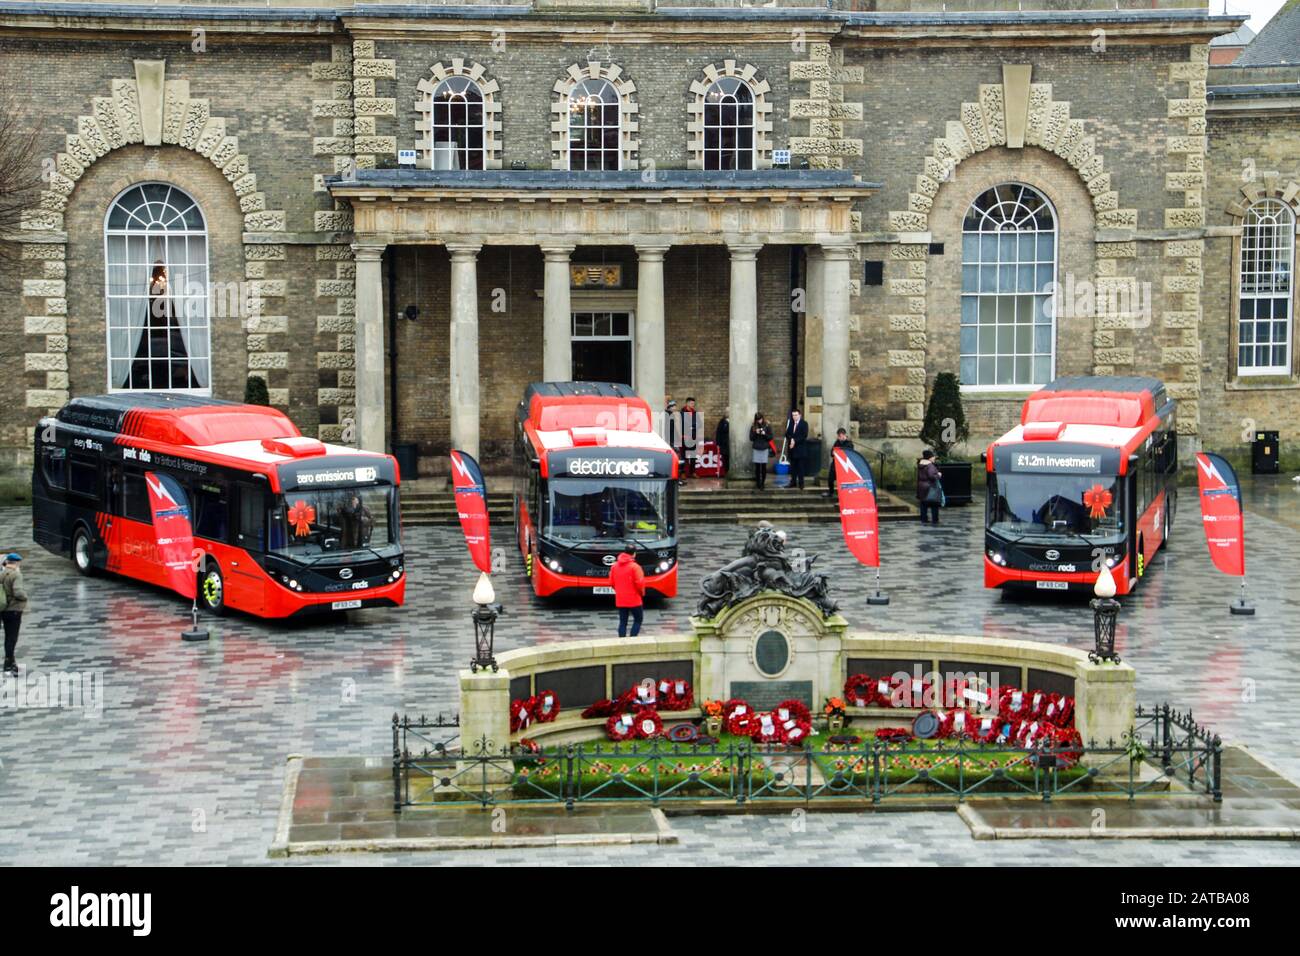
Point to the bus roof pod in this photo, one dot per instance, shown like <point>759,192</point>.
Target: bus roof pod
<point>299,446</point>
<point>1043,431</point>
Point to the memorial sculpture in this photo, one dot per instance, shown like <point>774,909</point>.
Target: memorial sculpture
<point>763,567</point>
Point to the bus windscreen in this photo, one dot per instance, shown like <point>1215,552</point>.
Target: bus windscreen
<point>1044,504</point>
<point>305,523</point>
<point>585,509</point>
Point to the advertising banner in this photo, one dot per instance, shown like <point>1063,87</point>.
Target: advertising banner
<point>858,513</point>
<point>173,532</point>
<point>471,507</point>
<point>1221,513</point>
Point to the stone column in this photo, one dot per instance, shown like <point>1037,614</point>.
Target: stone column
<point>742,373</point>
<point>835,339</point>
<point>650,327</point>
<point>463,357</point>
<point>812,339</point>
<point>369,347</point>
<point>557,315</point>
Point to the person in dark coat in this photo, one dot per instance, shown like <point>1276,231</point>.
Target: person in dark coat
<point>796,450</point>
<point>760,440</point>
<point>841,441</point>
<point>722,435</point>
<point>928,492</point>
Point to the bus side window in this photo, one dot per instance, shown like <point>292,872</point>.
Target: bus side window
<point>211,512</point>
<point>83,478</point>
<point>252,518</point>
<point>135,498</point>
<point>54,465</point>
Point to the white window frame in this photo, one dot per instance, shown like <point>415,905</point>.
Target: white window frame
<point>205,300</point>
<point>462,153</point>
<point>1280,236</point>
<point>1013,387</point>
<point>735,128</point>
<point>617,105</point>
<point>630,338</point>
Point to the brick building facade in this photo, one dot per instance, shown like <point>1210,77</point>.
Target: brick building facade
<point>365,292</point>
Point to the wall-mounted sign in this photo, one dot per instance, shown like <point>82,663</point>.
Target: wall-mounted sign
<point>780,157</point>
<point>406,157</point>
<point>603,276</point>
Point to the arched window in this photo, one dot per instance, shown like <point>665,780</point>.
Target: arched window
<point>457,121</point>
<point>1264,308</point>
<point>156,287</point>
<point>729,125</point>
<point>1008,267</point>
<point>594,125</point>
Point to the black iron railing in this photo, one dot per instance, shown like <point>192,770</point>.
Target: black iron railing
<point>430,769</point>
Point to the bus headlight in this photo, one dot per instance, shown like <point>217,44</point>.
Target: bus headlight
<point>997,558</point>
<point>664,566</point>
<point>1110,562</point>
<point>553,564</point>
<point>294,585</point>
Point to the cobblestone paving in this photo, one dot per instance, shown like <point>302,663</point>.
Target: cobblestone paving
<point>184,763</point>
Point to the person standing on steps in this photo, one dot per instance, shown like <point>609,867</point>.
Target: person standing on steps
<point>841,441</point>
<point>796,447</point>
<point>929,493</point>
<point>13,597</point>
<point>760,440</point>
<point>722,435</point>
<point>629,590</point>
<point>691,437</point>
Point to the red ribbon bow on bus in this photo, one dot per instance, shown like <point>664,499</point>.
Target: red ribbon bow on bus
<point>301,515</point>
<point>1097,499</point>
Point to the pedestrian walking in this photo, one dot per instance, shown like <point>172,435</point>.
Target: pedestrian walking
<point>629,590</point>
<point>760,441</point>
<point>796,450</point>
<point>841,441</point>
<point>722,435</point>
<point>13,601</point>
<point>929,493</point>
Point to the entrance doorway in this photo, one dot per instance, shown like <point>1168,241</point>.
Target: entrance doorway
<point>602,347</point>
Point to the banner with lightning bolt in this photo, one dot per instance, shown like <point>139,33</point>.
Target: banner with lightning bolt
<point>471,507</point>
<point>1225,530</point>
<point>172,531</point>
<point>859,517</point>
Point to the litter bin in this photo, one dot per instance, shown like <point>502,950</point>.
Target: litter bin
<point>1264,454</point>
<point>408,460</point>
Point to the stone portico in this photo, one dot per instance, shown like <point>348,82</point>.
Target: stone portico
<point>557,212</point>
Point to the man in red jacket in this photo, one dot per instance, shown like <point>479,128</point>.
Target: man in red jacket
<point>629,590</point>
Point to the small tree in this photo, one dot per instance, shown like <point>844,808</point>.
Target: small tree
<point>255,391</point>
<point>945,420</point>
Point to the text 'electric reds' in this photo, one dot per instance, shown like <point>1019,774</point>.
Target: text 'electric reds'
<point>1088,477</point>
<point>282,524</point>
<point>591,476</point>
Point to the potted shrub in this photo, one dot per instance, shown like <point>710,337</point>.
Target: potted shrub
<point>255,391</point>
<point>944,428</point>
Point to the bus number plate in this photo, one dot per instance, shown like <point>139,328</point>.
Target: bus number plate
<point>1053,585</point>
<point>349,605</point>
<point>602,590</point>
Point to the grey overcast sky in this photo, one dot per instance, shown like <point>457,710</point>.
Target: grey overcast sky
<point>1259,10</point>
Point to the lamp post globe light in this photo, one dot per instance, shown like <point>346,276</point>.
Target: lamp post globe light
<point>484,617</point>
<point>1105,611</point>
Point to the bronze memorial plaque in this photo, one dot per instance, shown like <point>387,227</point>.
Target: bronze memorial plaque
<point>766,694</point>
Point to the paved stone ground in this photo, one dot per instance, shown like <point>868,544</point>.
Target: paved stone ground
<point>185,762</point>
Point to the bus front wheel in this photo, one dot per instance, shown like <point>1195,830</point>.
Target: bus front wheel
<point>83,552</point>
<point>212,591</point>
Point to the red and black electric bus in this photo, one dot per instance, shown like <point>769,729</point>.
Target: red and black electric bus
<point>591,476</point>
<point>1089,476</point>
<point>286,524</point>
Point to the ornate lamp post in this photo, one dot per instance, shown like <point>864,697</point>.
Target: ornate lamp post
<point>484,617</point>
<point>1105,610</point>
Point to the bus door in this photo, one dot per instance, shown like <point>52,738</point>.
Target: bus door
<point>1132,491</point>
<point>246,578</point>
